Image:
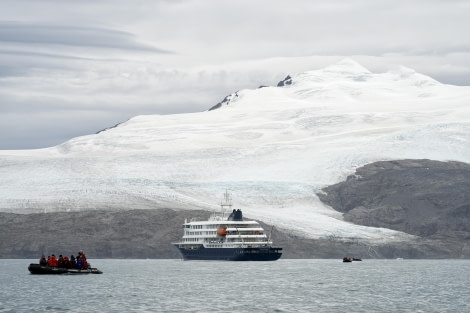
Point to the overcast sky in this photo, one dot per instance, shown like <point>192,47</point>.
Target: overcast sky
<point>72,68</point>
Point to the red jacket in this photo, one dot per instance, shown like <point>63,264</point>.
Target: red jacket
<point>53,261</point>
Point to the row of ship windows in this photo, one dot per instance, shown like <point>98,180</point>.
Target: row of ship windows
<point>193,226</point>
<point>199,233</point>
<point>212,233</point>
<point>221,241</point>
<point>213,226</point>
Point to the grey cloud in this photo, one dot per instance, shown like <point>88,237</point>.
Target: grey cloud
<point>18,53</point>
<point>41,130</point>
<point>71,36</point>
<point>438,50</point>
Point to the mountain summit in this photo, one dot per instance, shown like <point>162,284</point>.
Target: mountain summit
<point>274,148</point>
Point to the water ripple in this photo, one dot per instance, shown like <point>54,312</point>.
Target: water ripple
<point>281,286</point>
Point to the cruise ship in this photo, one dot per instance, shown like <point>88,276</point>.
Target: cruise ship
<point>226,236</point>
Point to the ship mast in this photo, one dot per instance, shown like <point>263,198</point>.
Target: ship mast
<point>226,203</point>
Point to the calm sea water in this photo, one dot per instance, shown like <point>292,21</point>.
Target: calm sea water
<point>281,286</point>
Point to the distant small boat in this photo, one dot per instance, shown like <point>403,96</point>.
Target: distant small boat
<point>47,270</point>
<point>346,259</point>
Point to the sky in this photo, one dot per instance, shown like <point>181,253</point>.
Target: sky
<point>73,68</point>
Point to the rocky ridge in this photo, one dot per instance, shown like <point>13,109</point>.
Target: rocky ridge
<point>425,198</point>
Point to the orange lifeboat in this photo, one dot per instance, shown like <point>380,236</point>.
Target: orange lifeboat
<point>222,231</point>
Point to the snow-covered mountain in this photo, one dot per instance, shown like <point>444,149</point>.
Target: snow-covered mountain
<point>273,148</point>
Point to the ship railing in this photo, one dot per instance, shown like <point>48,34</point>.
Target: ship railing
<point>254,229</point>
<point>219,216</point>
<point>245,236</point>
<point>241,243</point>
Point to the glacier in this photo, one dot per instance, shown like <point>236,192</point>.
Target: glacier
<point>273,148</point>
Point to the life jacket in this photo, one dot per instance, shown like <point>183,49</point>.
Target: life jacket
<point>61,261</point>
<point>67,263</point>
<point>53,261</point>
<point>85,263</point>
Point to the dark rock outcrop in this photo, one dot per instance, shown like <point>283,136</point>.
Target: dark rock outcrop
<point>133,234</point>
<point>225,101</point>
<point>145,234</point>
<point>149,234</point>
<point>426,198</point>
<point>285,82</point>
<point>104,234</point>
